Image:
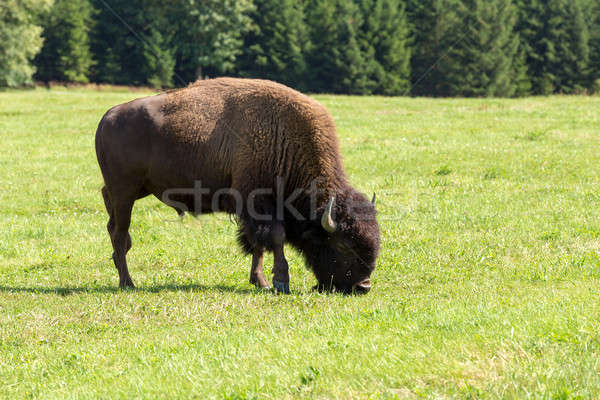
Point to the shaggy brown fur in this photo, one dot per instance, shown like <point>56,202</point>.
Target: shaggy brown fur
<point>244,135</point>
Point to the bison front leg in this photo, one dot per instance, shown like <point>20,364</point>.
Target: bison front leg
<point>257,276</point>
<point>281,276</point>
<point>255,238</point>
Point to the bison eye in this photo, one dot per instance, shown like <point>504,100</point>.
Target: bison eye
<point>349,273</point>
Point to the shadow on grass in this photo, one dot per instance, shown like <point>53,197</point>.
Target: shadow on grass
<point>65,291</point>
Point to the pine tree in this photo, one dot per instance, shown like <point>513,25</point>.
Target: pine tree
<point>276,47</point>
<point>208,35</point>
<point>384,39</point>
<point>521,76</point>
<point>531,26</point>
<point>572,47</point>
<point>336,60</point>
<point>591,12</point>
<point>485,61</point>
<point>66,54</point>
<point>595,48</point>
<point>133,46</point>
<point>435,30</point>
<point>159,60</point>
<point>20,40</point>
<point>555,37</point>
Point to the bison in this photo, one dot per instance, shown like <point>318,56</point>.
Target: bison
<point>253,148</point>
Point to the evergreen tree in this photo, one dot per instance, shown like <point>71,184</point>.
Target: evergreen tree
<point>435,30</point>
<point>159,63</point>
<point>572,46</point>
<point>555,38</point>
<point>521,73</point>
<point>485,61</point>
<point>66,54</point>
<point>336,60</point>
<point>20,40</point>
<point>447,47</point>
<point>591,10</point>
<point>530,26</point>
<point>276,47</point>
<point>595,49</point>
<point>208,35</point>
<point>131,42</point>
<point>384,38</point>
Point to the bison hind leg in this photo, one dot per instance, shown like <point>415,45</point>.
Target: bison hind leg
<point>257,275</point>
<point>119,211</point>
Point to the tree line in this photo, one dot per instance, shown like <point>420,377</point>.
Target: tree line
<point>389,47</point>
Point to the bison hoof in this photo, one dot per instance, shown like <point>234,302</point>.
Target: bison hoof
<point>262,287</point>
<point>260,283</point>
<point>281,287</point>
<point>127,285</point>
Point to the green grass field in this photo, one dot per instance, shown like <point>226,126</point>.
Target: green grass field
<point>487,285</point>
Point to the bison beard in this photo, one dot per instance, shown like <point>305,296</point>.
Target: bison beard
<point>261,143</point>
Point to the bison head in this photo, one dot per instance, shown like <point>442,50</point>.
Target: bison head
<point>343,248</point>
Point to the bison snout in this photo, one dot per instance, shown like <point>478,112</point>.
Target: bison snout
<point>362,286</point>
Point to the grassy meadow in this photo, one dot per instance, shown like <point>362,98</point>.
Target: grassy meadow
<point>487,285</point>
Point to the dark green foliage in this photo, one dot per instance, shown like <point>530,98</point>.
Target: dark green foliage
<point>384,39</point>
<point>353,47</point>
<point>466,48</point>
<point>336,60</point>
<point>435,30</point>
<point>530,26</point>
<point>555,38</point>
<point>484,59</point>
<point>276,47</point>
<point>132,47</point>
<point>573,48</point>
<point>390,47</point>
<point>66,54</point>
<point>208,35</point>
<point>592,12</point>
<point>20,39</point>
<point>159,61</point>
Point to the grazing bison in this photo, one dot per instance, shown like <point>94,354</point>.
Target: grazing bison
<point>253,148</point>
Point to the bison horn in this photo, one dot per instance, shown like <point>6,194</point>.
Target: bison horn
<point>374,199</point>
<point>327,221</point>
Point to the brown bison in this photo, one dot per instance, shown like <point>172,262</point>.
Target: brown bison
<point>253,148</point>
